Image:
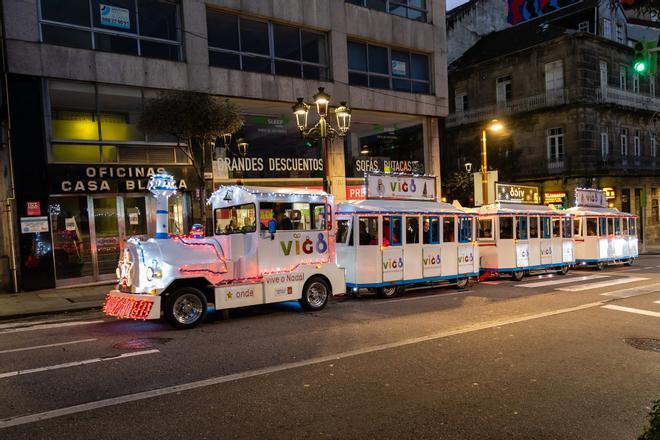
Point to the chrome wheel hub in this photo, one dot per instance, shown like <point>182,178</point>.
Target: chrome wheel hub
<point>317,293</point>
<point>188,308</point>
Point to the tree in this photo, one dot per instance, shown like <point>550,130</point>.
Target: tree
<point>195,120</point>
<point>458,186</point>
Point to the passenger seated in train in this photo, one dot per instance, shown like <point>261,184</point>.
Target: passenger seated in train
<point>365,238</point>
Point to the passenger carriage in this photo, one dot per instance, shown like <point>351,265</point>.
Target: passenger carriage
<point>269,245</point>
<point>516,238</point>
<point>602,235</point>
<point>398,238</point>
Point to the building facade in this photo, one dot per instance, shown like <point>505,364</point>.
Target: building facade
<point>575,112</point>
<point>79,73</point>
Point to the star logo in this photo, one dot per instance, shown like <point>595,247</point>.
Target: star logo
<point>229,295</point>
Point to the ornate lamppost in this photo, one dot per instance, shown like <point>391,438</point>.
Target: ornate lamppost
<point>323,130</point>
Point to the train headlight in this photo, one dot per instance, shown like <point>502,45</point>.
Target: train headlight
<point>150,274</point>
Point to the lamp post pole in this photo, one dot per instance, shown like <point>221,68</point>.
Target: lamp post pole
<point>484,168</point>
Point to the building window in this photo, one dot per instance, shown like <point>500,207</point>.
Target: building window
<point>635,83</point>
<point>604,145</point>
<point>148,28</point>
<point>412,9</point>
<point>583,26</point>
<point>603,74</point>
<point>653,149</point>
<point>619,34</point>
<point>622,78</point>
<point>503,89</point>
<point>624,142</point>
<point>655,213</point>
<point>637,147</point>
<point>259,46</point>
<point>607,28</point>
<point>381,67</point>
<point>96,123</point>
<point>652,86</point>
<point>555,144</point>
<point>460,102</point>
<point>554,80</point>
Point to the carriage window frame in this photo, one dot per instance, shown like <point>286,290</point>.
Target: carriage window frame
<point>610,226</point>
<point>632,223</point>
<point>519,220</point>
<point>434,223</point>
<point>556,222</point>
<point>577,227</point>
<point>602,226</point>
<point>511,234</point>
<point>624,226</point>
<point>414,218</point>
<point>465,229</point>
<point>378,240</point>
<point>453,228</point>
<point>348,230</point>
<point>546,227</point>
<point>617,226</point>
<point>481,229</point>
<point>534,219</point>
<point>241,229</point>
<point>592,221</point>
<point>392,219</point>
<point>567,227</point>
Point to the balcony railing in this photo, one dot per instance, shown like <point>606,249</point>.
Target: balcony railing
<point>624,98</point>
<point>548,99</point>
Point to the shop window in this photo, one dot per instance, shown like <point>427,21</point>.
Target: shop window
<point>412,9</point>
<point>368,231</point>
<point>380,67</point>
<point>342,231</point>
<point>448,235</point>
<point>506,228</point>
<point>464,229</point>
<point>521,228</point>
<point>592,227</point>
<point>120,110</point>
<point>73,153</point>
<point>567,227</point>
<point>625,200</point>
<point>431,230</point>
<point>149,28</point>
<point>486,229</point>
<point>235,219</point>
<point>545,228</point>
<point>533,227</point>
<point>412,230</point>
<point>263,47</point>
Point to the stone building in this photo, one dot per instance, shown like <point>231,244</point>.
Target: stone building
<point>79,72</point>
<point>575,112</point>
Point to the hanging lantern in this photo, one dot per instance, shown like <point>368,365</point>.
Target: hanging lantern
<point>322,101</point>
<point>226,139</point>
<point>343,114</point>
<point>300,109</point>
<point>242,146</point>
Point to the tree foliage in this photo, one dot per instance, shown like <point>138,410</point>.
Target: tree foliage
<point>458,186</point>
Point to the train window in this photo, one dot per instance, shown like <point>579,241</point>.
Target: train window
<point>556,227</point>
<point>412,230</point>
<point>617,226</point>
<point>533,227</point>
<point>464,229</point>
<point>545,227</point>
<point>567,228</point>
<point>610,226</point>
<point>577,227</point>
<point>602,226</point>
<point>368,231</point>
<point>235,219</point>
<point>624,223</point>
<point>592,227</point>
<point>342,231</point>
<point>486,229</point>
<point>633,226</point>
<point>431,230</point>
<point>448,229</point>
<point>506,228</point>
<point>521,228</point>
<point>392,227</point>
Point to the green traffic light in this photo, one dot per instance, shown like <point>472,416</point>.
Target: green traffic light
<point>640,66</point>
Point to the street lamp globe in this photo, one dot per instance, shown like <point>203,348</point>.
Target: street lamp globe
<point>242,145</point>
<point>343,114</point>
<point>495,125</point>
<point>300,109</point>
<point>468,167</point>
<point>226,139</point>
<point>322,100</point>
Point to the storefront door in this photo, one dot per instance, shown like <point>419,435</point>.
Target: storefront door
<point>88,234</point>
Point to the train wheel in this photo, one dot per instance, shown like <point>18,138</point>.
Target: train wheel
<point>629,262</point>
<point>185,308</point>
<point>563,270</point>
<point>387,291</point>
<point>517,275</point>
<point>315,294</point>
<point>462,283</point>
<point>600,265</point>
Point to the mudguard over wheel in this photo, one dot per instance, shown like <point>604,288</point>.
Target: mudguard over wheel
<point>185,308</point>
<point>387,291</point>
<point>315,294</point>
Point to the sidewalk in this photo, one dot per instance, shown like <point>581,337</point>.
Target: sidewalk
<point>15,305</point>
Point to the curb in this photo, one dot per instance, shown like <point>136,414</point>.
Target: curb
<point>98,306</point>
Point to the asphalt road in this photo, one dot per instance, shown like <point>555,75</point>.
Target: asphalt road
<point>546,358</point>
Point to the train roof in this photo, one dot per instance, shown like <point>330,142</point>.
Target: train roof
<point>588,210</point>
<point>381,206</point>
<point>230,195</point>
<point>516,208</point>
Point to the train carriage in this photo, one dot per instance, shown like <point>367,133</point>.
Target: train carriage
<point>516,238</point>
<point>603,235</point>
<point>387,243</point>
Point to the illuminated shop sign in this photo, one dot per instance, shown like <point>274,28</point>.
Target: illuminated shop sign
<point>510,193</point>
<point>554,197</point>
<point>590,197</point>
<point>609,193</point>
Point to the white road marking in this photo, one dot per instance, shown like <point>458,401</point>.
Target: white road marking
<point>630,270</point>
<point>633,291</point>
<point>632,310</point>
<point>491,283</point>
<point>590,286</point>
<point>36,347</point>
<point>49,326</point>
<point>22,420</point>
<point>76,363</point>
<point>562,280</point>
<point>657,302</point>
<point>436,295</point>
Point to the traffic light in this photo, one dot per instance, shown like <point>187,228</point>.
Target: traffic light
<point>641,59</point>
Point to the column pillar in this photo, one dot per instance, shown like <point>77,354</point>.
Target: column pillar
<point>337,170</point>
<point>432,152</point>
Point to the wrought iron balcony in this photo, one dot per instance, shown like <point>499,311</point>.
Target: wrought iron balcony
<point>611,95</point>
<point>549,99</point>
